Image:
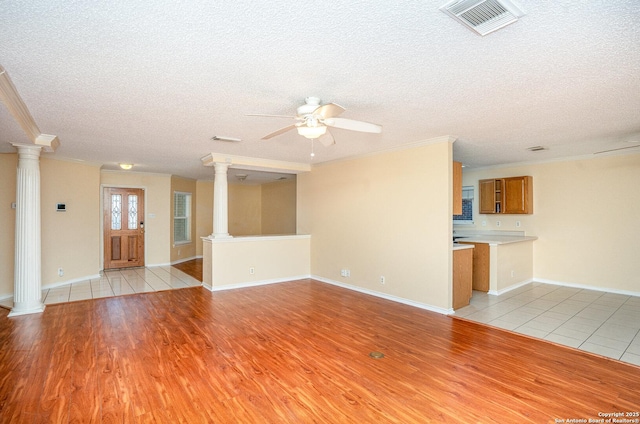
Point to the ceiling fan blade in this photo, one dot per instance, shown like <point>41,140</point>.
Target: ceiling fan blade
<point>271,116</point>
<point>326,139</point>
<point>280,131</point>
<point>329,110</point>
<point>350,124</point>
<point>620,148</point>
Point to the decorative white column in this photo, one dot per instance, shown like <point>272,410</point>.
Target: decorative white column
<point>27,270</point>
<point>220,201</point>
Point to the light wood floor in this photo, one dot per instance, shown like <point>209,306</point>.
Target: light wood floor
<point>289,352</point>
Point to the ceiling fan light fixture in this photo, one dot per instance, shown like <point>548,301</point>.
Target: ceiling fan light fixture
<point>312,132</point>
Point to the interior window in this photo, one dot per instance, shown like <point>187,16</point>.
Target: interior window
<point>467,207</point>
<point>181,217</point>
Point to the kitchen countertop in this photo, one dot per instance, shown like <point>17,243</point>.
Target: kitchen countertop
<point>457,246</point>
<point>494,239</point>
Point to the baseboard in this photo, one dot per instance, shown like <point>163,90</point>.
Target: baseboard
<point>385,296</point>
<point>587,287</point>
<point>255,283</point>
<point>67,282</point>
<point>512,287</point>
<point>184,260</point>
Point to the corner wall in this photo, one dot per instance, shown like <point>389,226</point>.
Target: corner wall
<point>387,215</point>
<point>204,213</point>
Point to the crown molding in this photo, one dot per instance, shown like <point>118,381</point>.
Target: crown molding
<point>18,109</point>
<point>255,164</point>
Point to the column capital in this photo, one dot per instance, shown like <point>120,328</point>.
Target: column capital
<point>33,149</point>
<point>221,167</point>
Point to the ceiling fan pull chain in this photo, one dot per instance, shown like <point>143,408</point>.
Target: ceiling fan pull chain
<point>312,140</point>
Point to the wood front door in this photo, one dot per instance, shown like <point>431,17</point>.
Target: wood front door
<point>123,212</point>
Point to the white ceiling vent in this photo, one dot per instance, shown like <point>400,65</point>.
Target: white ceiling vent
<point>483,16</point>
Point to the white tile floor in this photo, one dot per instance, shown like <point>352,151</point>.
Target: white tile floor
<point>607,324</point>
<point>118,282</point>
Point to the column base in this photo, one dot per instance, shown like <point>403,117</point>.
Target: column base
<point>220,236</point>
<point>26,308</point>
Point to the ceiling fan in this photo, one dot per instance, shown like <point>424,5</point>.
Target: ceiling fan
<point>314,118</point>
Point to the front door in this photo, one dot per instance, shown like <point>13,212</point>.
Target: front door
<point>123,227</point>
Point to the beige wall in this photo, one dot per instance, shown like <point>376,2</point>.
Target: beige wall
<point>383,215</point>
<point>71,239</point>
<point>278,213</point>
<point>8,167</point>
<point>511,264</point>
<point>245,203</point>
<point>585,216</point>
<point>272,259</point>
<point>157,209</point>
<point>181,252</point>
<point>266,209</point>
<point>204,213</point>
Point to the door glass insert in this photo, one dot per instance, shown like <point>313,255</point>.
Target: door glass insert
<point>116,211</point>
<point>133,211</point>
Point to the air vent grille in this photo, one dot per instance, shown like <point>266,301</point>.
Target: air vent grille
<point>483,16</point>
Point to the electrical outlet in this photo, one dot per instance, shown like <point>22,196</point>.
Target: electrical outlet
<point>518,224</point>
<point>382,279</point>
<point>484,223</point>
<point>512,273</point>
<point>60,272</point>
<point>348,273</point>
<point>252,270</point>
<point>345,273</point>
<point>498,223</point>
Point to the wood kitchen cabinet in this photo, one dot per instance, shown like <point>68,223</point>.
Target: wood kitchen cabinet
<point>513,195</point>
<point>490,196</point>
<point>462,277</point>
<point>518,195</point>
<point>480,277</point>
<point>457,188</point>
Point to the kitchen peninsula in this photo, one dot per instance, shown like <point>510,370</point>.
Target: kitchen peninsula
<point>502,260</point>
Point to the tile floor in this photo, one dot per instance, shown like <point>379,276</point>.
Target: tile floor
<point>607,324</point>
<point>118,282</point>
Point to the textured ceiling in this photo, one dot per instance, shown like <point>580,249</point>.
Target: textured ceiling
<point>150,82</point>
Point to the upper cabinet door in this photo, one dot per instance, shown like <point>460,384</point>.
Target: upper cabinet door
<point>518,195</point>
<point>487,196</point>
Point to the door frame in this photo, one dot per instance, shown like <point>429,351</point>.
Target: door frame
<point>102,187</point>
